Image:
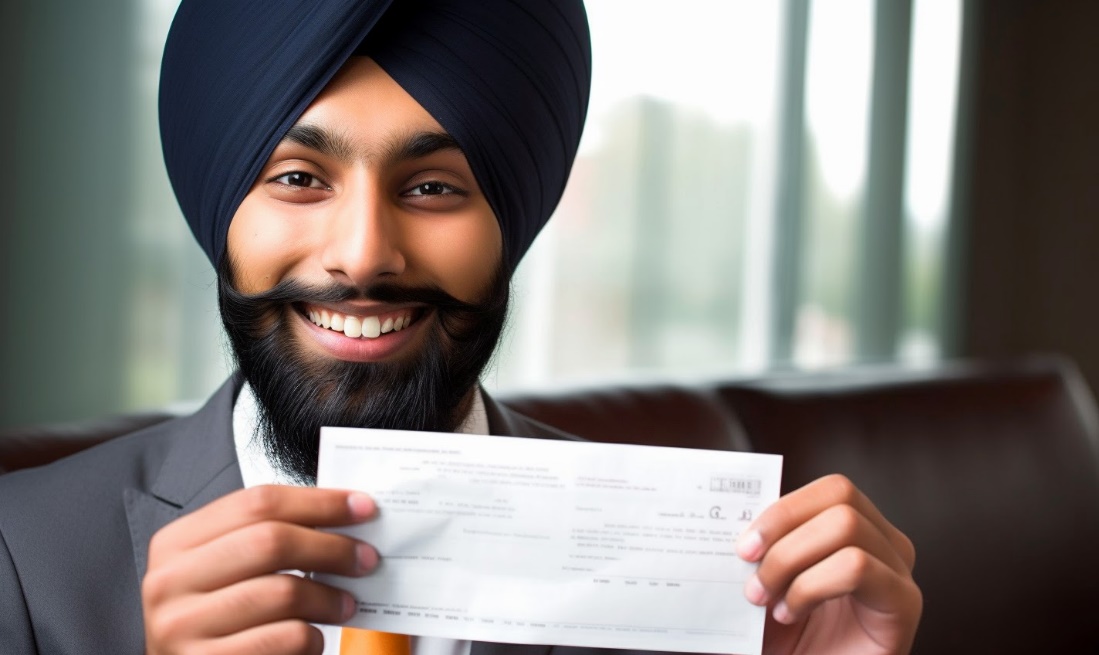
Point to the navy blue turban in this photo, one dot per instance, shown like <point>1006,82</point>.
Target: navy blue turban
<point>508,79</point>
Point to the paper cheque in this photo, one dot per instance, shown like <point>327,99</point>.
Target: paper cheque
<point>539,541</point>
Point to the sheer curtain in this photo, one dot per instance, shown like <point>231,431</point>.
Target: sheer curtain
<point>760,185</point>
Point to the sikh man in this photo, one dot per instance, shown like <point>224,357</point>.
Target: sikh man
<point>365,175</point>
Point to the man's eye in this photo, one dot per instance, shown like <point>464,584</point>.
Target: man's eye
<point>299,179</point>
<point>431,189</point>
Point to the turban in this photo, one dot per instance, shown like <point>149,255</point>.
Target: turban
<point>507,79</point>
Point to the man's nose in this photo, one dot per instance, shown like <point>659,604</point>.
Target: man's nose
<point>363,241</point>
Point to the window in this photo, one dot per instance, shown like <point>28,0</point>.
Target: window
<point>760,185</point>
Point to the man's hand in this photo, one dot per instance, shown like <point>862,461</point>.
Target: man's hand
<point>213,584</point>
<point>835,575</point>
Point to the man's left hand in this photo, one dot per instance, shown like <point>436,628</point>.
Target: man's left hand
<point>835,575</point>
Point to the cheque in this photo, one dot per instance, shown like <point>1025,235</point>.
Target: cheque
<point>553,542</point>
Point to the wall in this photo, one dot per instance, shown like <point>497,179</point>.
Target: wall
<point>1032,230</point>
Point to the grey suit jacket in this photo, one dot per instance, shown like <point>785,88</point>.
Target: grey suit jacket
<point>74,535</point>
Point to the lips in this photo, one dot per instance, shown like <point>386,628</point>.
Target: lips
<point>368,334</point>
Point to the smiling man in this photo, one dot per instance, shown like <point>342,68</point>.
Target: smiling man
<point>365,176</point>
<point>364,282</point>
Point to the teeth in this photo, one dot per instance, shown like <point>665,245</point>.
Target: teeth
<point>352,326</point>
<point>372,328</point>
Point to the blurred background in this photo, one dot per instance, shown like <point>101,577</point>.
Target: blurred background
<point>789,184</point>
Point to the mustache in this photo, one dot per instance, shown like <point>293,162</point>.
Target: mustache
<point>242,309</point>
<point>290,291</point>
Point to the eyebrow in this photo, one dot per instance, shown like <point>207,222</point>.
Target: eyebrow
<point>321,140</point>
<point>400,148</point>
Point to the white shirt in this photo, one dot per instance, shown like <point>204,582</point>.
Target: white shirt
<point>255,469</point>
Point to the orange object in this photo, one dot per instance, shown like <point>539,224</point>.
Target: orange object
<point>354,641</point>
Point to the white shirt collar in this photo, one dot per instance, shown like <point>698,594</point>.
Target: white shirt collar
<point>255,469</point>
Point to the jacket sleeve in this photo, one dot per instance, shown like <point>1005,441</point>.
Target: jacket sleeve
<point>16,635</point>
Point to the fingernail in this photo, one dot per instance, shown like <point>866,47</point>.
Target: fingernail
<point>350,606</point>
<point>750,545</point>
<point>368,557</point>
<point>362,506</point>
<point>782,613</point>
<point>754,591</point>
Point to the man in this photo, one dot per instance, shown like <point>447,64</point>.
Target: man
<point>365,176</point>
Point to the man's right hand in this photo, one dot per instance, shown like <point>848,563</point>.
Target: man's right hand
<point>213,584</point>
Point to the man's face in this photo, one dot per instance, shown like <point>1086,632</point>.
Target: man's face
<point>365,279</point>
<point>366,188</point>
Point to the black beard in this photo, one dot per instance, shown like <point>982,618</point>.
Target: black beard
<point>299,393</point>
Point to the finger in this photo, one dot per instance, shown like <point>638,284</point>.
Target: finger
<point>850,571</point>
<point>246,605</point>
<point>798,507</point>
<point>302,505</point>
<point>259,549</point>
<point>259,601</point>
<point>830,531</point>
<point>282,638</point>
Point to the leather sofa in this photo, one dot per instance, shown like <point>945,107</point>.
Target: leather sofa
<point>991,469</point>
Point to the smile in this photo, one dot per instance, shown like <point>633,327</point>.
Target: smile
<point>360,327</point>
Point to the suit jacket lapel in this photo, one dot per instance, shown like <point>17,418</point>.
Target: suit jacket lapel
<point>199,466</point>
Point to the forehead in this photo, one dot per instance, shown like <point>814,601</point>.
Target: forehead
<point>364,105</point>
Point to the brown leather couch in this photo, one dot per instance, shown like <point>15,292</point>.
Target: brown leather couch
<point>991,469</point>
